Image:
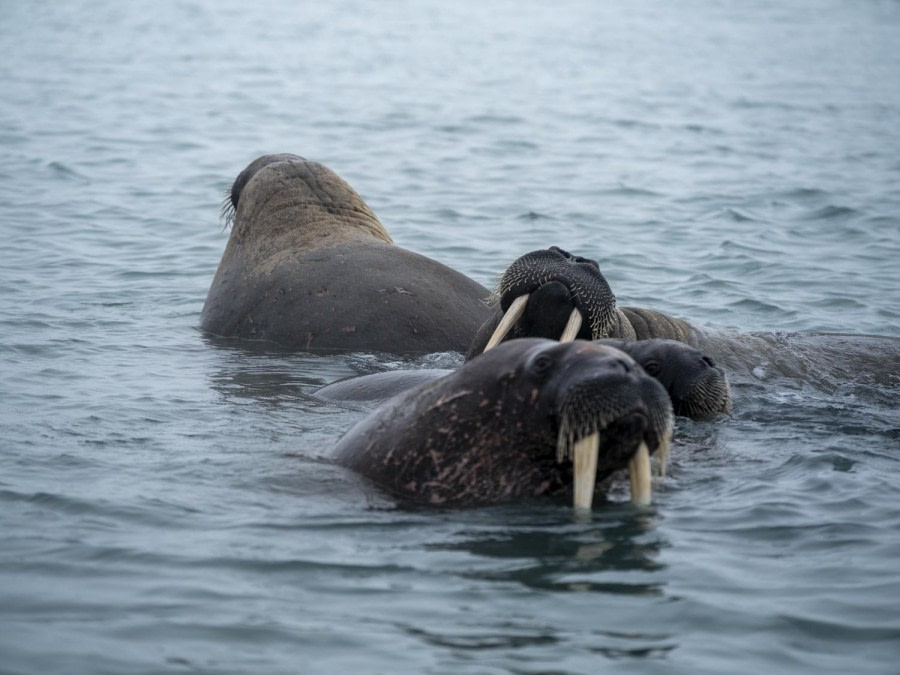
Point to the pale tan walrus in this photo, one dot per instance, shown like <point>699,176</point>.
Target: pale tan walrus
<point>308,266</point>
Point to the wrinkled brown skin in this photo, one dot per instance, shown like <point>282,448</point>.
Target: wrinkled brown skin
<point>825,360</point>
<point>487,433</point>
<point>308,266</point>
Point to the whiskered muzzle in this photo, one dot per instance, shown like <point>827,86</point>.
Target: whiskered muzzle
<point>605,440</point>
<point>708,397</point>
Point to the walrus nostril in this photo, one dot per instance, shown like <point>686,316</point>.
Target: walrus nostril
<point>708,361</point>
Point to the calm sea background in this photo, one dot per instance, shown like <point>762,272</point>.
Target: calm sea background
<point>167,505</point>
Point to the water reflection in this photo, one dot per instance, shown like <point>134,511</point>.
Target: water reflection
<point>267,374</point>
<point>616,552</point>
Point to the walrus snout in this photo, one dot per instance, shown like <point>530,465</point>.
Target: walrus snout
<point>567,295</point>
<point>530,418</point>
<point>698,388</point>
<point>707,395</point>
<point>613,415</point>
<point>581,276</point>
<point>574,259</point>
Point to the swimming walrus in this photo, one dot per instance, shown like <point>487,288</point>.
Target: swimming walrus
<point>309,266</point>
<point>697,387</point>
<point>532,418</point>
<point>552,293</point>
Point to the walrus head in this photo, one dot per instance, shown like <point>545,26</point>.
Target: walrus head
<point>546,289</point>
<point>289,193</point>
<point>233,194</point>
<point>697,387</point>
<point>611,416</point>
<point>531,417</point>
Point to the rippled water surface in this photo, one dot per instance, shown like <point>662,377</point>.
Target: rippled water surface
<point>167,505</point>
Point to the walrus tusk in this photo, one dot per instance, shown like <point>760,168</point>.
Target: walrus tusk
<point>572,327</point>
<point>585,461</point>
<point>639,476</point>
<point>516,309</point>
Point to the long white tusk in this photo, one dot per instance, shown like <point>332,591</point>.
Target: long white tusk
<point>516,309</point>
<point>639,475</point>
<point>572,327</point>
<point>585,461</point>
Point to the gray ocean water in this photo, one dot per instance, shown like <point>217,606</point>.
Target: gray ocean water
<point>167,504</point>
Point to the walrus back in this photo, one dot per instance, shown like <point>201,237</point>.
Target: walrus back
<point>649,324</point>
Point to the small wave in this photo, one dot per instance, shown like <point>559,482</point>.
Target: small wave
<point>702,129</point>
<point>495,119</point>
<point>735,247</point>
<point>635,124</point>
<point>452,129</point>
<point>744,103</point>
<point>515,144</point>
<point>66,172</point>
<point>623,189</point>
<point>803,194</point>
<point>732,214</point>
<point>832,212</point>
<point>754,306</point>
<point>447,213</point>
<point>740,216</point>
<point>533,215</point>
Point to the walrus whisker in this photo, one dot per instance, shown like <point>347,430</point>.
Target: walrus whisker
<point>516,309</point>
<point>227,210</point>
<point>639,476</point>
<point>572,327</point>
<point>584,459</point>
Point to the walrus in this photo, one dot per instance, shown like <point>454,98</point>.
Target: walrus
<point>308,266</point>
<point>697,387</point>
<point>532,418</point>
<point>554,294</point>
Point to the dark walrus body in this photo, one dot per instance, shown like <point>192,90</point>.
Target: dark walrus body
<point>493,431</point>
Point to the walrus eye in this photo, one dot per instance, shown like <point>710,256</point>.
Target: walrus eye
<point>541,364</point>
<point>652,368</point>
